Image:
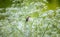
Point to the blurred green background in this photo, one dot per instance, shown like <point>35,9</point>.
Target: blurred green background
<point>44,20</point>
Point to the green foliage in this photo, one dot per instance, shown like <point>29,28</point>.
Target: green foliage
<point>34,14</point>
<point>52,4</point>
<point>3,16</point>
<point>44,18</point>
<point>58,1</point>
<point>5,3</point>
